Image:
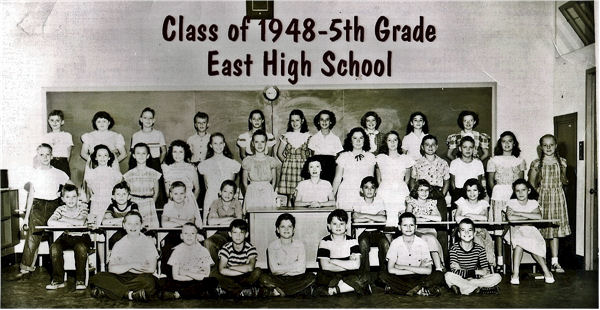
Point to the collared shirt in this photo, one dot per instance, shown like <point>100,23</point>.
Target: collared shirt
<point>417,255</point>
<point>60,142</point>
<point>325,145</point>
<point>199,146</point>
<point>481,139</point>
<point>434,171</point>
<point>289,260</point>
<point>337,249</point>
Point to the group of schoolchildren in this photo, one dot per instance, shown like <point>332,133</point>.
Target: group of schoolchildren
<point>368,175</point>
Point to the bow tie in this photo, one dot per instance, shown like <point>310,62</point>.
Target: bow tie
<point>359,157</point>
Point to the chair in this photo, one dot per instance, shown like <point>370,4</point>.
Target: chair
<point>69,260</point>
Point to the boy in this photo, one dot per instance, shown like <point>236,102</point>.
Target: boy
<point>116,211</point>
<point>199,141</point>
<point>436,171</point>
<point>222,211</point>
<point>410,264</point>
<point>69,214</point>
<point>190,263</point>
<point>237,259</point>
<point>61,142</point>
<point>469,266</point>
<point>370,210</point>
<point>42,200</point>
<point>339,258</point>
<point>131,265</point>
<point>287,262</point>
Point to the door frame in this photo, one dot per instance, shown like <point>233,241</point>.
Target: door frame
<point>591,176</point>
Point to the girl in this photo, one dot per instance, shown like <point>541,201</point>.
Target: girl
<point>144,185</point>
<point>472,205</point>
<point>292,152</point>
<point>416,129</point>
<point>260,175</point>
<point>180,209</point>
<point>152,137</point>
<point>353,165</point>
<point>177,167</point>
<point>548,175</point>
<point>467,121</point>
<point>325,144</point>
<point>393,172</point>
<point>525,237</point>
<point>464,167</point>
<point>102,122</point>
<point>370,122</point>
<point>256,121</point>
<point>424,208</point>
<point>99,181</point>
<point>218,167</point>
<point>503,169</point>
<point>314,192</point>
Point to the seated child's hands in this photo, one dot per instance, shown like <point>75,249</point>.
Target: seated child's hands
<point>454,265</point>
<point>315,204</point>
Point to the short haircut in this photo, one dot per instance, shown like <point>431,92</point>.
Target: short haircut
<point>407,215</point>
<point>410,127</point>
<point>104,115</point>
<point>462,115</point>
<point>348,141</point>
<point>471,182</point>
<point>363,119</point>
<point>190,224</point>
<point>200,115</point>
<point>133,213</point>
<point>46,145</point>
<point>332,119</point>
<point>369,179</point>
<point>425,138</point>
<point>121,185</point>
<point>94,161</point>
<point>414,192</point>
<point>468,221</point>
<point>284,217</point>
<point>68,188</point>
<point>239,224</point>
<point>146,109</point>
<point>340,214</point>
<point>187,152</point>
<point>228,183</point>
<point>58,113</point>
<point>460,143</point>
<point>177,184</point>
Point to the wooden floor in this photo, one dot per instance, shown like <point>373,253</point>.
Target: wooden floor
<point>574,289</point>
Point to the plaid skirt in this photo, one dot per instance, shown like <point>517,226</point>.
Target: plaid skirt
<point>291,168</point>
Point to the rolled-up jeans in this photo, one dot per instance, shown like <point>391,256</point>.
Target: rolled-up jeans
<point>41,210</point>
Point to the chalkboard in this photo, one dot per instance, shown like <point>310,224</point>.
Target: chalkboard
<point>228,111</point>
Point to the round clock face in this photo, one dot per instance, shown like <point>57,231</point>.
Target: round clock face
<point>271,93</point>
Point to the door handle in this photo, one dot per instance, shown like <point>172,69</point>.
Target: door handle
<point>592,191</point>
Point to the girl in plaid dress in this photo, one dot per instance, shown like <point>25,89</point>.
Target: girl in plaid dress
<point>548,175</point>
<point>144,185</point>
<point>293,151</point>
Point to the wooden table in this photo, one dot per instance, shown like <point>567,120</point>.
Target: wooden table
<point>311,227</point>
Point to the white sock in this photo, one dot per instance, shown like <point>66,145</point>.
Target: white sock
<point>344,288</point>
<point>554,260</point>
<point>130,295</point>
<point>332,291</point>
<point>276,292</point>
<point>500,260</point>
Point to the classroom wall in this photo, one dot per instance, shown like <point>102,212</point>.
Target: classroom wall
<point>118,46</point>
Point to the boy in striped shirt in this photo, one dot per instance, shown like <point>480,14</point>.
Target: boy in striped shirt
<point>237,259</point>
<point>470,270</point>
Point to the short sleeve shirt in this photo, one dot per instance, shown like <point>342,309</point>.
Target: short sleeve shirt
<point>329,248</point>
<point>411,143</point>
<point>46,182</point>
<point>60,142</point>
<point>138,251</point>
<point>234,257</point>
<point>191,258</point>
<point>325,145</point>
<point>463,171</point>
<point>199,145</point>
<point>309,191</point>
<point>434,171</point>
<point>417,255</point>
<point>217,209</point>
<point>154,139</point>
